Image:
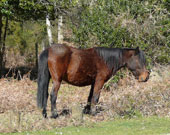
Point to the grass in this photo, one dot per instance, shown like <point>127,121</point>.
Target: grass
<point>141,126</point>
<point>136,126</point>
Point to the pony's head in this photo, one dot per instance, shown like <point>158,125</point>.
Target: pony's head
<point>136,63</point>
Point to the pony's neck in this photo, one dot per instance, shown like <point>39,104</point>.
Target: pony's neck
<point>125,55</point>
<point>113,57</point>
<point>121,63</point>
<point>117,68</point>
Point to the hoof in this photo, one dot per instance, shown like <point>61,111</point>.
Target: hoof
<point>93,111</point>
<point>54,116</point>
<point>44,113</point>
<point>90,112</point>
<point>86,110</point>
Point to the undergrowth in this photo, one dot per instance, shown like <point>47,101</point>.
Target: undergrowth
<point>127,99</point>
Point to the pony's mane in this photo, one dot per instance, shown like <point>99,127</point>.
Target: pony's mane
<point>111,56</point>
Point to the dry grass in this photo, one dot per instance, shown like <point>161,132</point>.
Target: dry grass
<point>18,111</point>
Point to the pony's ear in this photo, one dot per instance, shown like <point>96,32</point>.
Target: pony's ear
<point>137,51</point>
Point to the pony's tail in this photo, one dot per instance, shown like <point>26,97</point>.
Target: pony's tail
<point>43,80</point>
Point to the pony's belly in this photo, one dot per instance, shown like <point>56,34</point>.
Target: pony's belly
<point>79,79</point>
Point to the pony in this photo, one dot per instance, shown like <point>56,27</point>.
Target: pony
<point>82,67</point>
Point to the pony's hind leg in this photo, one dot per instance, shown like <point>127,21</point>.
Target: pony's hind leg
<point>53,98</point>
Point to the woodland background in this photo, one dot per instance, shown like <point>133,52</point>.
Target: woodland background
<point>85,23</point>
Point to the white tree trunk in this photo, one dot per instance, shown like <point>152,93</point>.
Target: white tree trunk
<point>50,39</point>
<point>43,44</point>
<point>60,32</point>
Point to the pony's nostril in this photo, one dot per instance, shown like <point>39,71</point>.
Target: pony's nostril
<point>147,78</point>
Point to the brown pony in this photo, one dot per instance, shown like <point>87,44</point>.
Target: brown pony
<point>78,67</point>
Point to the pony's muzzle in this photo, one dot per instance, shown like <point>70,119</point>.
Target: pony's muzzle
<point>144,76</point>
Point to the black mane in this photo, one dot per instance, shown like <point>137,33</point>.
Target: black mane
<point>142,58</point>
<point>111,56</point>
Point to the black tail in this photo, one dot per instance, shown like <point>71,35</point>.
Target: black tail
<point>43,80</point>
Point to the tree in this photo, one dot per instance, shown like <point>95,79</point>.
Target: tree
<point>59,8</point>
<point>17,10</point>
<point>2,38</point>
<point>26,10</point>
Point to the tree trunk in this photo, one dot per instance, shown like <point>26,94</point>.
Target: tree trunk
<point>50,39</point>
<point>3,44</point>
<point>43,45</point>
<point>60,32</point>
<point>0,44</point>
<point>0,29</point>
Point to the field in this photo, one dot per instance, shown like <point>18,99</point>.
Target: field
<point>128,107</point>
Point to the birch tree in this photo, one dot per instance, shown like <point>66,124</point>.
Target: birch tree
<point>59,8</point>
<point>50,38</point>
<point>60,30</point>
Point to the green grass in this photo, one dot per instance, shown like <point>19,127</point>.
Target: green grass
<point>138,126</point>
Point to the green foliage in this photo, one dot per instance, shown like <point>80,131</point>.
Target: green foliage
<point>22,38</point>
<point>23,9</point>
<point>96,28</point>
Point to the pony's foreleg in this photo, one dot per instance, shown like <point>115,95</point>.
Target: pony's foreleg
<point>96,94</point>
<point>88,106</point>
<point>53,98</point>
